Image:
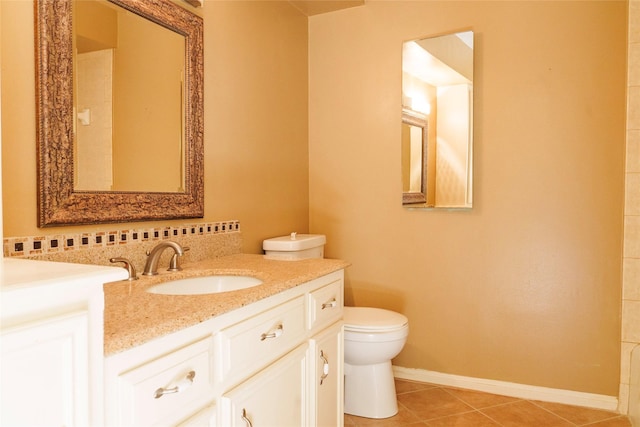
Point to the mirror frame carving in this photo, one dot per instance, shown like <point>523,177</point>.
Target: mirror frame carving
<point>58,203</point>
<point>412,118</point>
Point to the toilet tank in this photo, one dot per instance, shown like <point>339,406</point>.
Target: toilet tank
<point>294,247</point>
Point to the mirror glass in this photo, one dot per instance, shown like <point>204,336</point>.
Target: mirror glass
<point>437,121</point>
<point>120,108</point>
<point>128,101</point>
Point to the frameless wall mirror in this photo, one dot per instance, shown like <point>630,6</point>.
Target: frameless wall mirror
<point>437,122</point>
<point>120,111</point>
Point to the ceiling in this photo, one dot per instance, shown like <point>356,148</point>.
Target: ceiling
<point>316,7</point>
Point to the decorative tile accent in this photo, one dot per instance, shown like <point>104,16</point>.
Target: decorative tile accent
<point>54,243</point>
<point>71,242</point>
<point>37,245</point>
<point>19,246</point>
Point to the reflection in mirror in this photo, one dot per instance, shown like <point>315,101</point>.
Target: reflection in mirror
<point>128,86</point>
<point>136,139</point>
<point>437,85</point>
<point>414,157</point>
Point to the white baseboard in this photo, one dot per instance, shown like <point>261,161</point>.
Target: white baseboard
<point>522,391</point>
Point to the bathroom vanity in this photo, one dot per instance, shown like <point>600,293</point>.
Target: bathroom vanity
<point>269,355</point>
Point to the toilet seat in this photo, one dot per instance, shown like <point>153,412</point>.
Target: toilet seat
<point>373,320</point>
<point>377,337</point>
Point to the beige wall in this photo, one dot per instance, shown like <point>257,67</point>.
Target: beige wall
<point>256,152</point>
<point>526,287</point>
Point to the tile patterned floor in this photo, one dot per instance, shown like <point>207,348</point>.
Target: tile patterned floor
<point>421,404</point>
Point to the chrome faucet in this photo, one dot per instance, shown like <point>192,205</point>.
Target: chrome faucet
<point>151,267</point>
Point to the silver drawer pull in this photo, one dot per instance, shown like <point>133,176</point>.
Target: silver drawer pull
<point>273,333</point>
<point>330,304</point>
<point>325,367</point>
<point>181,386</point>
<point>246,419</point>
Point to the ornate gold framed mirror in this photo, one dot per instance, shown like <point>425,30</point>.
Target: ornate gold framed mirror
<point>414,157</point>
<point>65,195</point>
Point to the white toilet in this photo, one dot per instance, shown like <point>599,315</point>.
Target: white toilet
<point>372,337</point>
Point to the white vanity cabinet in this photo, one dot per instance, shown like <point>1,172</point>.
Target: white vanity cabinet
<point>51,343</point>
<point>327,355</point>
<point>326,377</point>
<point>45,363</point>
<point>275,396</point>
<point>259,365</point>
<point>303,387</point>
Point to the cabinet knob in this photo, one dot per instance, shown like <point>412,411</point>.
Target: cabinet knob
<point>325,367</point>
<point>182,385</point>
<point>330,304</point>
<point>273,333</point>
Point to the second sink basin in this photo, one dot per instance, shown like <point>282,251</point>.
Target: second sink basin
<point>205,285</point>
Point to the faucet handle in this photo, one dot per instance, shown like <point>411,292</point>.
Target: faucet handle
<point>128,266</point>
<point>174,264</point>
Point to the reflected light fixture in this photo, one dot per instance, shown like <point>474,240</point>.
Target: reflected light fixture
<point>417,102</point>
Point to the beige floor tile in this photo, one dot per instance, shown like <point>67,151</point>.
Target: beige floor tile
<point>402,418</point>
<point>615,422</point>
<point>479,399</point>
<point>575,414</point>
<point>404,386</point>
<point>433,403</point>
<point>349,420</point>
<point>470,419</point>
<point>524,414</point>
<point>429,405</point>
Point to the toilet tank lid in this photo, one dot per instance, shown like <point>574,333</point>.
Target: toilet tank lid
<point>363,318</point>
<point>294,242</point>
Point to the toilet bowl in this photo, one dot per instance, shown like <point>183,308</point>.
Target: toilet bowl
<point>372,337</point>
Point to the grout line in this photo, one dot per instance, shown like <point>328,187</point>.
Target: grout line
<point>489,417</point>
<point>552,413</point>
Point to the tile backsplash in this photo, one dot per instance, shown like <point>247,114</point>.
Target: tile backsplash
<point>204,240</point>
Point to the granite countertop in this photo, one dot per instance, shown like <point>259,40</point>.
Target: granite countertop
<point>133,316</point>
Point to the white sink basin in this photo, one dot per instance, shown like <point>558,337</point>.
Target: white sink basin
<point>205,285</point>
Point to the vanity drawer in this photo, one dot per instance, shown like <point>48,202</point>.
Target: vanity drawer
<point>324,305</point>
<point>168,389</point>
<point>253,343</point>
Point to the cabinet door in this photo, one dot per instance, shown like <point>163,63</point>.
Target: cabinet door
<point>275,396</point>
<point>204,418</point>
<point>326,379</point>
<point>45,380</point>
